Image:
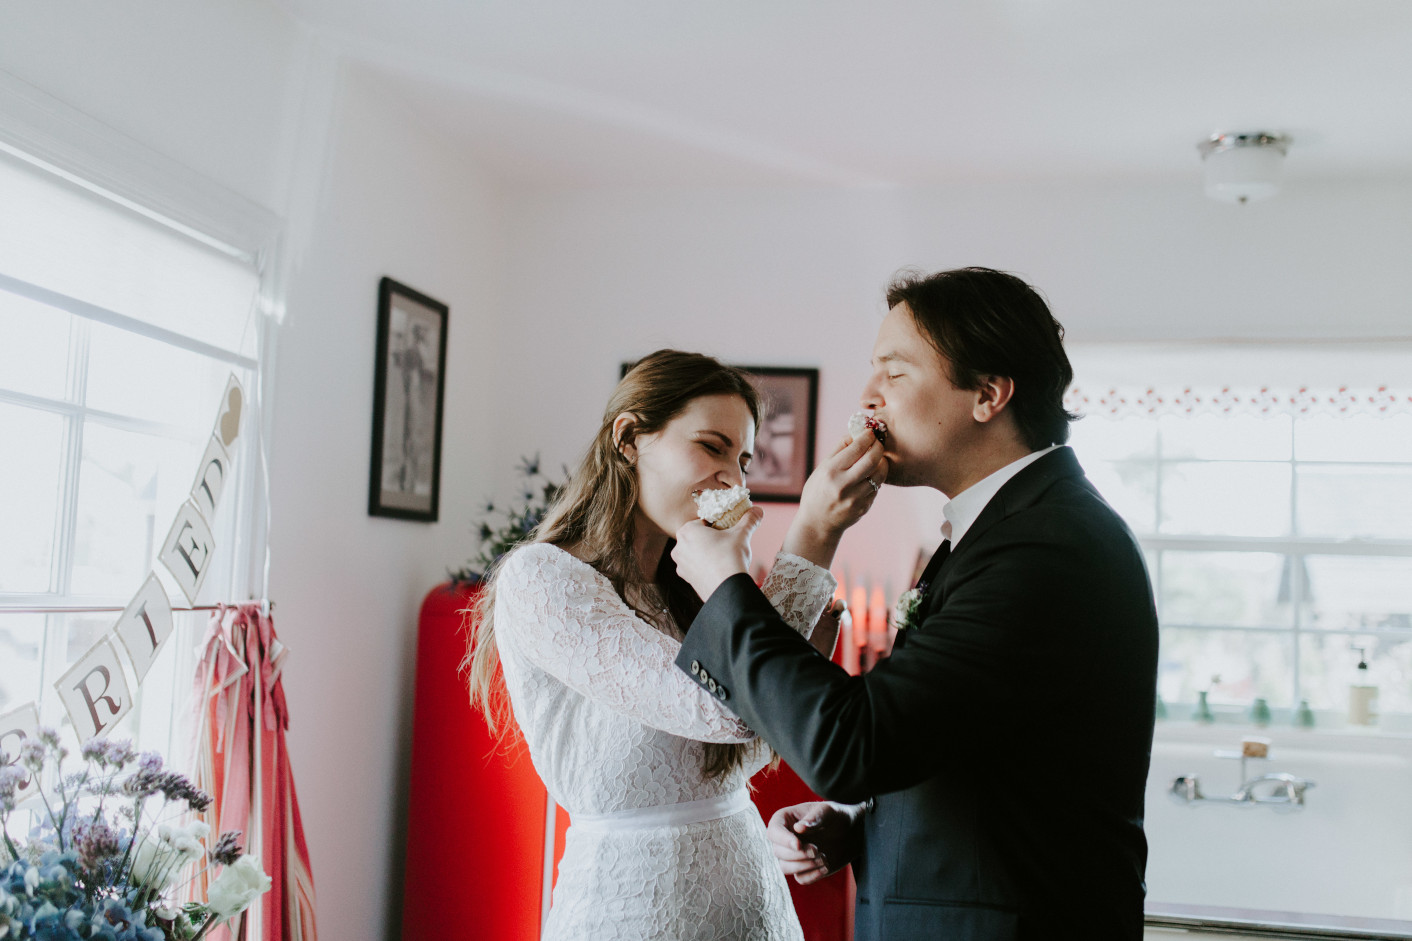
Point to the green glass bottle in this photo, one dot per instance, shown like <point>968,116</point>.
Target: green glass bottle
<point>1202,712</point>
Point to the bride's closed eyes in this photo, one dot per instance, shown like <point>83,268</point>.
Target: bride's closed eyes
<point>719,451</point>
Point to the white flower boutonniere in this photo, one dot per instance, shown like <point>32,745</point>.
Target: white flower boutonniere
<point>905,612</point>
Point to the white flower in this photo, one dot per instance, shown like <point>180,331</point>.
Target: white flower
<point>166,909</point>
<point>236,887</point>
<point>31,880</point>
<point>907,604</point>
<point>159,859</point>
<point>187,840</point>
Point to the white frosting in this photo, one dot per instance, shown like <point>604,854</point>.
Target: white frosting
<point>711,505</point>
<point>856,423</point>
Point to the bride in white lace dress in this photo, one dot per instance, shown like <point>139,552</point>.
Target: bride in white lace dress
<point>586,620</point>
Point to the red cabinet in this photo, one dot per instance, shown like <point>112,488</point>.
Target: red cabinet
<point>476,812</point>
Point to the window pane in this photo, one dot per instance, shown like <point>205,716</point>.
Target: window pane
<point>1227,589</point>
<point>34,347</point>
<point>1354,438</point>
<point>1249,664</point>
<point>130,486</point>
<point>65,238</point>
<point>1130,487</point>
<point>1354,592</point>
<point>1226,437</point>
<point>132,375</point>
<point>1226,498</point>
<point>21,658</point>
<point>1351,500</point>
<point>1097,438</point>
<point>29,496</point>
<point>80,632</point>
<point>1328,666</point>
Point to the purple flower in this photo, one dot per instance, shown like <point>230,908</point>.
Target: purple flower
<point>173,786</point>
<point>149,761</point>
<point>12,778</point>
<point>96,843</point>
<point>32,754</point>
<point>227,849</point>
<point>107,754</point>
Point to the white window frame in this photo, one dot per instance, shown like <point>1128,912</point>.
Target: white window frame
<point>46,133</point>
<point>1293,547</point>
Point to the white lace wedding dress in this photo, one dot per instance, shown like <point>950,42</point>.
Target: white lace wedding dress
<point>615,731</point>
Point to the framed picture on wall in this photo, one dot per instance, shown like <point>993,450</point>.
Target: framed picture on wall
<point>784,447</point>
<point>408,390</point>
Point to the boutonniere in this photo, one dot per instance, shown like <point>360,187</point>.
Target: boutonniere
<point>905,612</point>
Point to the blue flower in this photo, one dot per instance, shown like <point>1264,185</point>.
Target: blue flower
<point>51,924</point>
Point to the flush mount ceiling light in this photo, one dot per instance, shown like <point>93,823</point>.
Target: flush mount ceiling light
<point>1242,167</point>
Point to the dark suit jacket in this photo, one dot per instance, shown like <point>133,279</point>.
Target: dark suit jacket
<point>1005,741</point>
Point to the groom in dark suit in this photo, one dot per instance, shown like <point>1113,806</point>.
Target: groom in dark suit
<point>986,780</point>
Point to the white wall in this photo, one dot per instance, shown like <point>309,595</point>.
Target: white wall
<point>795,277</point>
<point>545,308</point>
<point>238,93</point>
<point>349,585</point>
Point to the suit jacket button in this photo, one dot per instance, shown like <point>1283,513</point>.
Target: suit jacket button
<point>723,693</point>
<point>711,685</point>
<point>695,667</point>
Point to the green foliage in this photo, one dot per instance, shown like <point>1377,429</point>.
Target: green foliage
<point>502,529</point>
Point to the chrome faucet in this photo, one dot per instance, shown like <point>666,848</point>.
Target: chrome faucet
<point>1287,789</point>
<point>1280,790</point>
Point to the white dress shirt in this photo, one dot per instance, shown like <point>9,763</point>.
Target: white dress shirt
<point>965,508</point>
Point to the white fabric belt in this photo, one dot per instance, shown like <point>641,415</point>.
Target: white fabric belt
<point>663,815</point>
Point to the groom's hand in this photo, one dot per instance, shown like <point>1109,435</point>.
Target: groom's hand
<point>836,495</point>
<point>815,840</point>
<point>706,556</point>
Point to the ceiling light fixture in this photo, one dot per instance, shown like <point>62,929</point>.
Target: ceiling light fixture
<point>1242,167</point>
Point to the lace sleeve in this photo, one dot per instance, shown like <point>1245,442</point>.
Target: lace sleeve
<point>559,614</point>
<point>798,589</point>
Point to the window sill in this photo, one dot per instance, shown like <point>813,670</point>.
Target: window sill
<point>1267,924</point>
<point>1393,737</point>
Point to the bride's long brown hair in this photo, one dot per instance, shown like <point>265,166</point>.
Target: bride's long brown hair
<point>594,514</point>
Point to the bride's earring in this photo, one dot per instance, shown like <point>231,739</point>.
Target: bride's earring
<point>629,459</point>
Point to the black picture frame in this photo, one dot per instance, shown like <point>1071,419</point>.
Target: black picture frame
<point>405,477</point>
<point>784,446</point>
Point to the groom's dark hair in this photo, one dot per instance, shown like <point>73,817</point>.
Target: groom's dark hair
<point>985,322</point>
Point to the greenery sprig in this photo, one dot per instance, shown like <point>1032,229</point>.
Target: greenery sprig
<point>503,528</point>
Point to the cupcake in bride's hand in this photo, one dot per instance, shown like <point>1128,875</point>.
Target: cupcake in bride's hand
<point>722,509</point>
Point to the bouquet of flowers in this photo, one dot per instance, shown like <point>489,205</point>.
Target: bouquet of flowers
<point>108,854</point>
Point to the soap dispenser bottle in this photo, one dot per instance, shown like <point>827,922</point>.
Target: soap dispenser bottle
<point>1362,695</point>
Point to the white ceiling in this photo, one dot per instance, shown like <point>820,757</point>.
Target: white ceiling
<point>768,92</point>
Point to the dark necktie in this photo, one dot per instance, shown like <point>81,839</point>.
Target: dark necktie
<point>934,565</point>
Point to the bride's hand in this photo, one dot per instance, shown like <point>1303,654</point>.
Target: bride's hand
<point>814,840</point>
<point>706,556</point>
<point>836,496</point>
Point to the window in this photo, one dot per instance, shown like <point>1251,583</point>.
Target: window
<point>119,328</point>
<point>1276,519</point>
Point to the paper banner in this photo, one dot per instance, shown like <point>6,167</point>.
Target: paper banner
<point>145,625</point>
<point>211,479</point>
<point>95,691</point>
<point>16,726</point>
<point>232,408</point>
<point>187,550</point>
